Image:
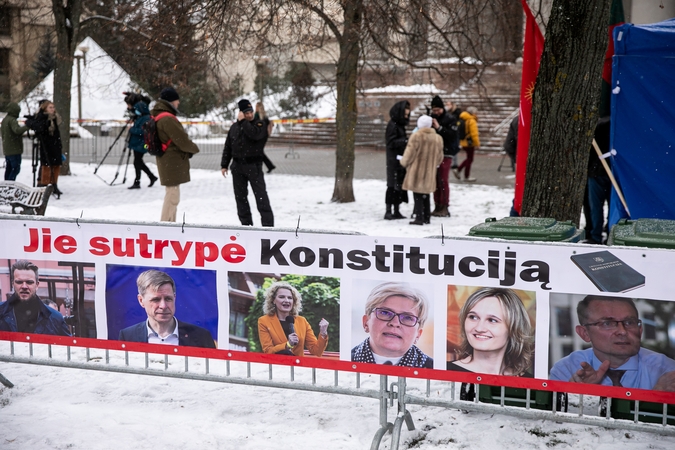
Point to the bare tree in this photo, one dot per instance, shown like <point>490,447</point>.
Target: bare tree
<point>67,22</point>
<point>565,108</point>
<point>157,45</point>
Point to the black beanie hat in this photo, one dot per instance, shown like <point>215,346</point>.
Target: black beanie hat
<point>169,94</point>
<point>436,102</point>
<point>244,105</point>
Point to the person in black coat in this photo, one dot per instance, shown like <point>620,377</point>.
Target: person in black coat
<point>260,114</point>
<point>396,139</point>
<point>446,125</point>
<point>244,148</point>
<point>511,141</point>
<point>46,126</point>
<point>598,187</point>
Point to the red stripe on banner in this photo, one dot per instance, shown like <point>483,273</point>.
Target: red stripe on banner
<point>347,366</point>
<point>532,49</point>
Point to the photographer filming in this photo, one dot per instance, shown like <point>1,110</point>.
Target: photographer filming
<point>45,124</point>
<point>137,106</point>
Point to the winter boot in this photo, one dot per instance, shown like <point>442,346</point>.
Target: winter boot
<point>388,215</point>
<point>397,213</point>
<point>153,180</point>
<point>136,185</point>
<point>441,212</point>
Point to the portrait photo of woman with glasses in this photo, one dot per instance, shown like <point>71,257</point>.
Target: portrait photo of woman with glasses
<point>394,319</point>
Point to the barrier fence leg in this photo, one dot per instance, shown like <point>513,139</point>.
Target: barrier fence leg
<point>404,415</point>
<point>6,382</point>
<point>385,426</point>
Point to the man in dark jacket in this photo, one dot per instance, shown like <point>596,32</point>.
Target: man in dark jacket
<point>599,185</point>
<point>244,147</point>
<point>511,141</point>
<point>12,142</point>
<point>174,165</point>
<point>157,295</point>
<point>446,126</point>
<point>396,139</point>
<point>24,312</point>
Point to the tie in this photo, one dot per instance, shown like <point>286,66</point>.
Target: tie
<point>615,376</point>
<point>387,363</point>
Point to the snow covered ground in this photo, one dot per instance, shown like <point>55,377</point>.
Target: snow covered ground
<point>209,199</point>
<point>55,408</point>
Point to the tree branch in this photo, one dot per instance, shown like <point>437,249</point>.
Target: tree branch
<point>109,19</point>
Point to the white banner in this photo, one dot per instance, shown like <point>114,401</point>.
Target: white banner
<point>520,318</point>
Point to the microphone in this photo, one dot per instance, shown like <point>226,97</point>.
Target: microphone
<point>291,320</point>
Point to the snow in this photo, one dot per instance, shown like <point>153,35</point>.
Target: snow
<point>102,83</point>
<point>90,197</point>
<point>59,408</point>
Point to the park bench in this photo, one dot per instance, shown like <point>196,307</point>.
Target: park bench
<point>31,201</point>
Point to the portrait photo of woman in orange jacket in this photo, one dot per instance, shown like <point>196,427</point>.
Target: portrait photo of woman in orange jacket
<point>282,330</point>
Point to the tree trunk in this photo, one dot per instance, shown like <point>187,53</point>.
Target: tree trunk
<point>565,109</point>
<point>67,22</point>
<point>346,114</point>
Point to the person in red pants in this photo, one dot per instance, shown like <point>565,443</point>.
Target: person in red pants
<point>469,143</point>
<point>446,125</point>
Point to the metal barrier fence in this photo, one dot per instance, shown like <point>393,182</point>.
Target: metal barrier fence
<point>535,399</point>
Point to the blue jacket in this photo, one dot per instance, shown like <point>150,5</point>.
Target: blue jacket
<point>188,334</point>
<point>136,141</point>
<point>49,321</point>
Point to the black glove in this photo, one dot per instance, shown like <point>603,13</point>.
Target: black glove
<point>30,121</point>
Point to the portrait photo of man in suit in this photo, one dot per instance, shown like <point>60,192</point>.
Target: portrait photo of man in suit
<point>157,296</point>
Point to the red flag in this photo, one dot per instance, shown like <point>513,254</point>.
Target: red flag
<point>534,45</point>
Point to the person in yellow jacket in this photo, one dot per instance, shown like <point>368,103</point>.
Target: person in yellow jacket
<point>282,331</point>
<point>470,143</point>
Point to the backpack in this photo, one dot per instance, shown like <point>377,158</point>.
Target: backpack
<point>461,129</point>
<point>151,138</point>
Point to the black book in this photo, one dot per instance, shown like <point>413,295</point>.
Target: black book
<point>608,272</point>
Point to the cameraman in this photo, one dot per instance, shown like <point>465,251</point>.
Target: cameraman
<point>141,114</point>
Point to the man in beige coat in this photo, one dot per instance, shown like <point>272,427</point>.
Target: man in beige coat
<point>421,159</point>
<point>174,165</point>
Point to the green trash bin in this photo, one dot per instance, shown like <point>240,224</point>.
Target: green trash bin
<point>528,229</point>
<point>518,397</point>
<point>648,412</point>
<point>532,229</point>
<point>652,233</point>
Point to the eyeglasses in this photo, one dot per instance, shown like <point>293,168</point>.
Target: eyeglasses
<point>628,324</point>
<point>387,315</point>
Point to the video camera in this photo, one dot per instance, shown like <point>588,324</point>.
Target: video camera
<point>131,98</point>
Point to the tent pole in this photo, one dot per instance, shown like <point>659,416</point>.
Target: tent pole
<point>611,176</point>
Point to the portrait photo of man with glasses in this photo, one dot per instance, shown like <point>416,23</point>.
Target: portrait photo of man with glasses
<point>616,357</point>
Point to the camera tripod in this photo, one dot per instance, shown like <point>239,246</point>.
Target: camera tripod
<point>125,149</point>
<point>35,156</point>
